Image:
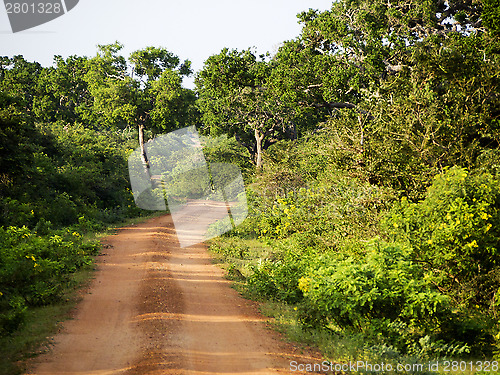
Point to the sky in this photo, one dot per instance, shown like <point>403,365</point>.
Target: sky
<point>191,29</point>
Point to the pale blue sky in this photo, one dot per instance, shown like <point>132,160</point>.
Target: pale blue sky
<point>192,29</point>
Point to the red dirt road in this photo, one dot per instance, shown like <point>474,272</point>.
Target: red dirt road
<point>155,308</point>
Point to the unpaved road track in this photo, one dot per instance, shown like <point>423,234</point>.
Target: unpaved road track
<point>155,308</point>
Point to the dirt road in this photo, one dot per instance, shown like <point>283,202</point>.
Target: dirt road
<point>155,308</point>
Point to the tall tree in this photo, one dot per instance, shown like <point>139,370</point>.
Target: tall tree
<point>419,81</point>
<point>236,97</point>
<point>148,93</point>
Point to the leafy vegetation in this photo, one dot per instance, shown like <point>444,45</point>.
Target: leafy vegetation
<point>64,142</point>
<point>377,229</point>
<point>369,145</point>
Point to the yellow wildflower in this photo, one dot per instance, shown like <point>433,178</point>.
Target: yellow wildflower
<point>473,244</point>
<point>485,216</point>
<point>304,284</point>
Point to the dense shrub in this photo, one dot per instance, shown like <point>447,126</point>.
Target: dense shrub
<point>334,208</point>
<point>227,150</point>
<point>427,289</point>
<point>74,171</point>
<point>34,269</point>
<point>382,294</point>
<point>455,234</point>
<point>276,277</point>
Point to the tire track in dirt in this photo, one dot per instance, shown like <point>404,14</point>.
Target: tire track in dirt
<point>155,308</point>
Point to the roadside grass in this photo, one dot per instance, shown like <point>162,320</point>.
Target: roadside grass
<point>236,255</point>
<point>112,229</point>
<point>35,335</point>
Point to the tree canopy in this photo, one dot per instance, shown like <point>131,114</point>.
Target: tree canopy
<point>237,98</point>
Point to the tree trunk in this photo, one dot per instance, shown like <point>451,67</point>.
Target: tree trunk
<point>144,157</point>
<point>258,147</point>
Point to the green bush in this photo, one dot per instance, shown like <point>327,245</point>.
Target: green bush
<point>227,150</point>
<point>455,234</point>
<point>277,279</point>
<point>230,249</point>
<point>12,313</point>
<point>382,294</point>
<point>70,171</point>
<point>15,212</point>
<point>335,208</point>
<point>34,269</point>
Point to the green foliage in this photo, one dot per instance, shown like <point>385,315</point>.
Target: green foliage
<point>278,222</point>
<point>380,293</point>
<point>491,15</point>
<point>152,96</point>
<point>454,233</point>
<point>17,137</point>
<point>297,75</point>
<point>303,193</point>
<point>74,171</point>
<point>18,79</point>
<point>391,298</point>
<point>369,39</point>
<point>227,150</point>
<point>407,91</point>
<point>152,62</point>
<point>276,278</point>
<point>173,105</point>
<point>62,92</point>
<point>235,97</point>
<point>34,269</point>
<point>440,112</point>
